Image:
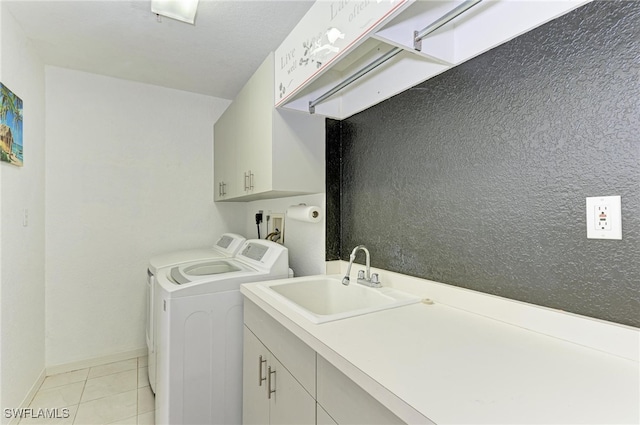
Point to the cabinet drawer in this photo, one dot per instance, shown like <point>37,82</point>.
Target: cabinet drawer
<point>346,402</point>
<point>298,357</point>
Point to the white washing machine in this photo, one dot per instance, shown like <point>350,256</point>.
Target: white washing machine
<point>199,333</point>
<point>227,246</point>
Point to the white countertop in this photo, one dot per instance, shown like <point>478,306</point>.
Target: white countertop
<point>446,365</point>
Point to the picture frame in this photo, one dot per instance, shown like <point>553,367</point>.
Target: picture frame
<point>11,137</point>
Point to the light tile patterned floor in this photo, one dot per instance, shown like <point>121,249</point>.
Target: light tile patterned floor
<point>114,393</point>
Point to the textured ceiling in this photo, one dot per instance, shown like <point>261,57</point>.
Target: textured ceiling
<point>123,39</point>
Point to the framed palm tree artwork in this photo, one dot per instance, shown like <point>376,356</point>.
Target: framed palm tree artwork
<point>11,147</point>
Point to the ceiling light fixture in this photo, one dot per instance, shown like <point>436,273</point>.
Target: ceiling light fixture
<point>181,10</point>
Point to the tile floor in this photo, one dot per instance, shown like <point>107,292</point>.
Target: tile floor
<point>114,393</point>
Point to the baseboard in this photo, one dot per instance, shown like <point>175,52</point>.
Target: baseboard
<point>96,361</point>
<point>30,395</point>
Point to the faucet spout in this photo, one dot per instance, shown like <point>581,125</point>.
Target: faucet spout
<point>367,280</point>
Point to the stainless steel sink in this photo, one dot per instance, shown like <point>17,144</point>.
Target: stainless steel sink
<point>324,299</point>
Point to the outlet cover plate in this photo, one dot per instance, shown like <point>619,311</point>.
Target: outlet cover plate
<point>604,217</point>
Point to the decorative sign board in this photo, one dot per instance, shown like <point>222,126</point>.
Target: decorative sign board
<point>328,30</point>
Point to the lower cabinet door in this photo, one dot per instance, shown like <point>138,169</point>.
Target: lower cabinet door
<point>290,402</point>
<point>270,394</point>
<point>255,404</point>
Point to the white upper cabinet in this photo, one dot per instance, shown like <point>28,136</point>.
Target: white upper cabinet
<point>336,41</point>
<point>261,152</point>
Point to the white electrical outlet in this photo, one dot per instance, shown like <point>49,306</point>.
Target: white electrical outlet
<point>604,217</point>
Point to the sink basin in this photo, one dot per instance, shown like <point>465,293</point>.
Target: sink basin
<point>324,299</point>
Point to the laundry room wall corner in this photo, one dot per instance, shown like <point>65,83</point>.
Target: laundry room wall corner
<point>127,179</point>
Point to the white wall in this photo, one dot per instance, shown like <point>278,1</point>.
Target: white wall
<point>22,276</point>
<point>305,241</point>
<point>129,175</point>
<point>1,345</point>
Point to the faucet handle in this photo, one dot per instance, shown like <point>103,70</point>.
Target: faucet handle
<point>360,274</point>
<point>375,279</point>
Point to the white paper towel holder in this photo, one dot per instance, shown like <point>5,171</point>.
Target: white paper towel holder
<point>302,212</point>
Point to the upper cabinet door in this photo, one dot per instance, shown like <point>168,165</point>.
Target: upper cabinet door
<point>255,148</point>
<point>224,157</point>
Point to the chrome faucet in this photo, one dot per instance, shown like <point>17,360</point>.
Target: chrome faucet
<point>367,279</point>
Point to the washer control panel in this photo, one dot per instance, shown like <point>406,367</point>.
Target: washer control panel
<point>254,251</point>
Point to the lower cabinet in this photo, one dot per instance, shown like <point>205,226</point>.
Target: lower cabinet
<point>271,395</point>
<point>287,382</point>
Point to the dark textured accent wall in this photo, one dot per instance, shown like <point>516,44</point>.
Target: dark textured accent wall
<point>478,177</point>
<point>333,182</point>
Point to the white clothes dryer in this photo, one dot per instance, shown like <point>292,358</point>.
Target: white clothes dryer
<point>199,333</point>
<point>227,246</point>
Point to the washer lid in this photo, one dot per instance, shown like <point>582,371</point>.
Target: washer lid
<point>188,273</point>
<point>227,246</point>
